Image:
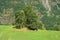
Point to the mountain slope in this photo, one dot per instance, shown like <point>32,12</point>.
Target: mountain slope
<point>49,10</point>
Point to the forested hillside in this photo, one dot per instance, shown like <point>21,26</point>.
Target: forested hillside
<point>49,11</point>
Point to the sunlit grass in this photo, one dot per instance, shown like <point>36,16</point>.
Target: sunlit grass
<point>9,33</point>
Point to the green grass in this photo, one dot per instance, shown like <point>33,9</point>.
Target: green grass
<point>8,33</point>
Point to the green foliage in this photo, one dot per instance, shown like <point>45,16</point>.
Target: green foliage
<point>28,17</point>
<point>0,22</point>
<point>57,27</point>
<point>29,14</point>
<point>32,18</point>
<point>20,19</point>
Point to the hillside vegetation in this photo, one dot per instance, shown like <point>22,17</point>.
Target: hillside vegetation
<point>49,11</point>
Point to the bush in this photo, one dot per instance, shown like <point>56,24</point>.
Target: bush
<point>57,27</point>
<point>28,17</point>
<point>20,19</point>
<point>32,20</point>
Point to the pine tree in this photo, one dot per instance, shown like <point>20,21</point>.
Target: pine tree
<point>20,19</point>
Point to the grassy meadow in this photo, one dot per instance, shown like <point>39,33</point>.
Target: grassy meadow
<point>9,33</point>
